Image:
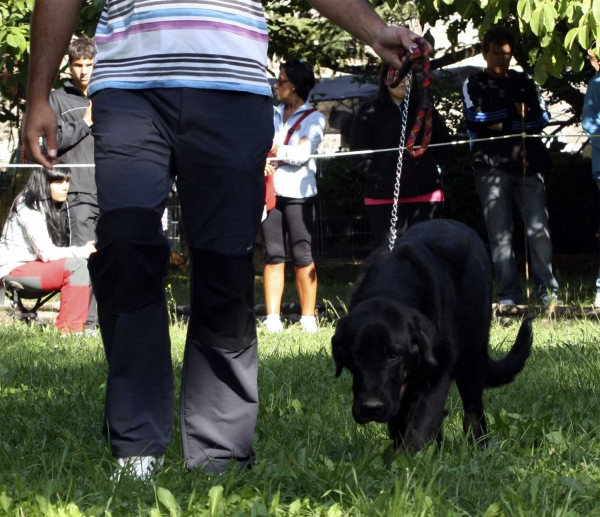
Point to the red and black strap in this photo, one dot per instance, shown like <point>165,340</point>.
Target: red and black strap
<point>425,110</point>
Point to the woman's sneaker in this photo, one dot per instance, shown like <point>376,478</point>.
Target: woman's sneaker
<point>273,323</point>
<point>309,324</point>
<point>138,467</point>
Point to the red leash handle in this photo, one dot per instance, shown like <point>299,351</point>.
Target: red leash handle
<point>425,111</point>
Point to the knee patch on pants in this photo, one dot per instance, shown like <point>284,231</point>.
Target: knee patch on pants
<point>222,300</point>
<point>129,267</point>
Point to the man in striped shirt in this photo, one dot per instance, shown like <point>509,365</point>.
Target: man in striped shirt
<point>179,92</point>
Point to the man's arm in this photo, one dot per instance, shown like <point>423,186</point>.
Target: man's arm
<point>51,31</point>
<point>478,115</point>
<point>68,134</point>
<point>360,19</point>
<point>530,113</point>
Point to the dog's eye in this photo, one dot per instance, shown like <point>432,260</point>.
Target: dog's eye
<point>393,355</point>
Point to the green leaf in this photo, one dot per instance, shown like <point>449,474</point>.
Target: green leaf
<point>548,17</point>
<point>570,38</point>
<point>12,40</point>
<point>487,21</point>
<point>537,24</point>
<point>555,60</point>
<point>215,497</point>
<point>493,510</point>
<point>583,35</point>
<point>562,8</point>
<point>5,502</point>
<point>596,11</point>
<point>168,500</point>
<point>573,484</point>
<point>524,10</point>
<point>540,73</point>
<point>275,503</point>
<point>575,13</point>
<point>334,511</point>
<point>557,440</point>
<point>295,507</point>
<point>577,61</point>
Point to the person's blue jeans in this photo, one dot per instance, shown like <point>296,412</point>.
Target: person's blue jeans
<point>497,189</point>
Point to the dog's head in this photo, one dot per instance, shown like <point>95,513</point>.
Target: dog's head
<point>384,345</point>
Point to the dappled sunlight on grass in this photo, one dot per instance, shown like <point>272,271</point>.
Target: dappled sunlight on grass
<point>312,458</point>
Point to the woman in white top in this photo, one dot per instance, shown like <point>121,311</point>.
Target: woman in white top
<point>299,129</point>
<point>35,251</point>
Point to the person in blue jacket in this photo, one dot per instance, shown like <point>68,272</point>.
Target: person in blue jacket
<point>590,120</point>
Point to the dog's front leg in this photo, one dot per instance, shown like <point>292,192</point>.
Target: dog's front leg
<point>426,413</point>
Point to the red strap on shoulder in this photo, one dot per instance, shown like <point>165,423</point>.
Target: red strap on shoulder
<point>296,124</point>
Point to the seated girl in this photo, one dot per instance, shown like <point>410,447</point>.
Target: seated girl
<point>35,251</point>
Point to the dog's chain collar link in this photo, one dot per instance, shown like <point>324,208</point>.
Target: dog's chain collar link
<point>394,219</point>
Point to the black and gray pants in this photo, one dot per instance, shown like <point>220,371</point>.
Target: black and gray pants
<point>214,144</point>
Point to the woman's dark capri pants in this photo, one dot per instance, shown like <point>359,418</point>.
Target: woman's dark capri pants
<point>215,144</point>
<point>295,217</point>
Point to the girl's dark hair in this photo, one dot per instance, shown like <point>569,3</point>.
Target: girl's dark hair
<point>36,196</point>
<point>301,75</point>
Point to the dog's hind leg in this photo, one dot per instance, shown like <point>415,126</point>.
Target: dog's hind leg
<point>470,383</point>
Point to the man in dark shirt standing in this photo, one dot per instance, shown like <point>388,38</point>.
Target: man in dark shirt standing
<point>75,142</point>
<point>500,102</point>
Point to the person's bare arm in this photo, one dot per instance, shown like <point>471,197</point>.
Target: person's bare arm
<point>51,29</point>
<point>360,19</point>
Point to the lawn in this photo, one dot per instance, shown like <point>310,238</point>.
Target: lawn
<point>542,459</point>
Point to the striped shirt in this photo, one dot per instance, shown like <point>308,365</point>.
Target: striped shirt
<point>208,44</point>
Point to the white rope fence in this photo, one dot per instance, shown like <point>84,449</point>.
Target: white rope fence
<point>343,153</point>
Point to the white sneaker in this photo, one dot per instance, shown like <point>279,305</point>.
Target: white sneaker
<point>273,323</point>
<point>550,299</point>
<point>506,302</point>
<point>597,300</point>
<point>138,467</point>
<point>309,324</point>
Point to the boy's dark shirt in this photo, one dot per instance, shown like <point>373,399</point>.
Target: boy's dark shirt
<point>489,101</point>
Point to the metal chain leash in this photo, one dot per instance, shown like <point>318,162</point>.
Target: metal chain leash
<point>394,219</point>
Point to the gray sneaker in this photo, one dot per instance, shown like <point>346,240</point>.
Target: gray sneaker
<point>550,299</point>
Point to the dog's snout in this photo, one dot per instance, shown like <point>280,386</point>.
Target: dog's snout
<point>374,405</point>
<point>370,409</point>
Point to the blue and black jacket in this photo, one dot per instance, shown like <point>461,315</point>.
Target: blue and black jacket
<point>489,101</point>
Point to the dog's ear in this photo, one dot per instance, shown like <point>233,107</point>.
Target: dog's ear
<point>424,334</point>
<point>337,348</point>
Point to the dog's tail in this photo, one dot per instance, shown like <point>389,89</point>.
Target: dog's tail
<point>498,373</point>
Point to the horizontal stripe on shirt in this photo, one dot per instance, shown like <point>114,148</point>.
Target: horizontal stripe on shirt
<point>216,44</point>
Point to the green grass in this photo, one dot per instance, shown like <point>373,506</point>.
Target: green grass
<point>313,459</point>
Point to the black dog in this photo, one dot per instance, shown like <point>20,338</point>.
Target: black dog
<point>419,318</point>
